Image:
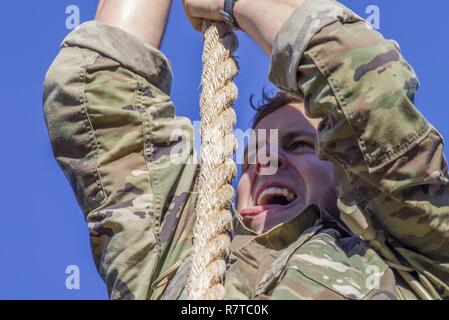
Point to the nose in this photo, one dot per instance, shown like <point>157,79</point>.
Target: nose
<point>267,159</point>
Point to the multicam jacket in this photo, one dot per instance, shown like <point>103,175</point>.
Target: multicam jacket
<point>110,121</point>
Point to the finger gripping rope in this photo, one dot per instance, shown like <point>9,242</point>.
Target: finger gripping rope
<point>211,235</point>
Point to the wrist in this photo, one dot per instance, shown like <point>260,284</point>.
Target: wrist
<point>263,19</point>
<point>228,13</point>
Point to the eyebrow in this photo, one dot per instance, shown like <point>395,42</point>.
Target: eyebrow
<point>290,134</point>
<point>298,132</point>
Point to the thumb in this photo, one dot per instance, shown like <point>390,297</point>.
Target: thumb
<point>197,23</point>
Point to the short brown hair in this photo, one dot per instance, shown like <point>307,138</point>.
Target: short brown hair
<point>270,102</point>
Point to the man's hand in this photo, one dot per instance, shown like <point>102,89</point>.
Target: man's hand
<point>260,19</point>
<point>198,10</point>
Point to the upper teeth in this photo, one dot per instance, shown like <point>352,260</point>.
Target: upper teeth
<point>265,194</point>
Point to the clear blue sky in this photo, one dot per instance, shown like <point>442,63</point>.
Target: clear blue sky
<point>43,230</point>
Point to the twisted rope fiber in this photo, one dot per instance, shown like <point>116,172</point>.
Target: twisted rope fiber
<point>212,238</point>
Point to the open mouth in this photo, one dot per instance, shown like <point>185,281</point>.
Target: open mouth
<point>269,199</point>
<point>276,196</point>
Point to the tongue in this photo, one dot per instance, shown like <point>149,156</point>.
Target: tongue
<point>254,211</point>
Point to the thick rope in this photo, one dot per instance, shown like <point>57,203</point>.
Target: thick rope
<point>211,235</point>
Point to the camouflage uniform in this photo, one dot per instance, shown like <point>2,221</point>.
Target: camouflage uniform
<point>110,120</point>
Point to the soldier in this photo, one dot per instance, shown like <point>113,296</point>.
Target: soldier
<point>357,209</point>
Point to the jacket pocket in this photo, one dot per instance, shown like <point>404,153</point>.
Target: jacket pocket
<point>351,275</point>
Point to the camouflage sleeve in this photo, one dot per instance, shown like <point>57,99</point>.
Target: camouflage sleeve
<point>389,160</point>
<point>126,155</point>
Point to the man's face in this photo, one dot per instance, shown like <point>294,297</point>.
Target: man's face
<point>266,200</point>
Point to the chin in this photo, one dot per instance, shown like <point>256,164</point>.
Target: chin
<point>273,216</point>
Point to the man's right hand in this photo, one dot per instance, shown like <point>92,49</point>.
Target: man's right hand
<point>198,10</point>
<point>260,19</point>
